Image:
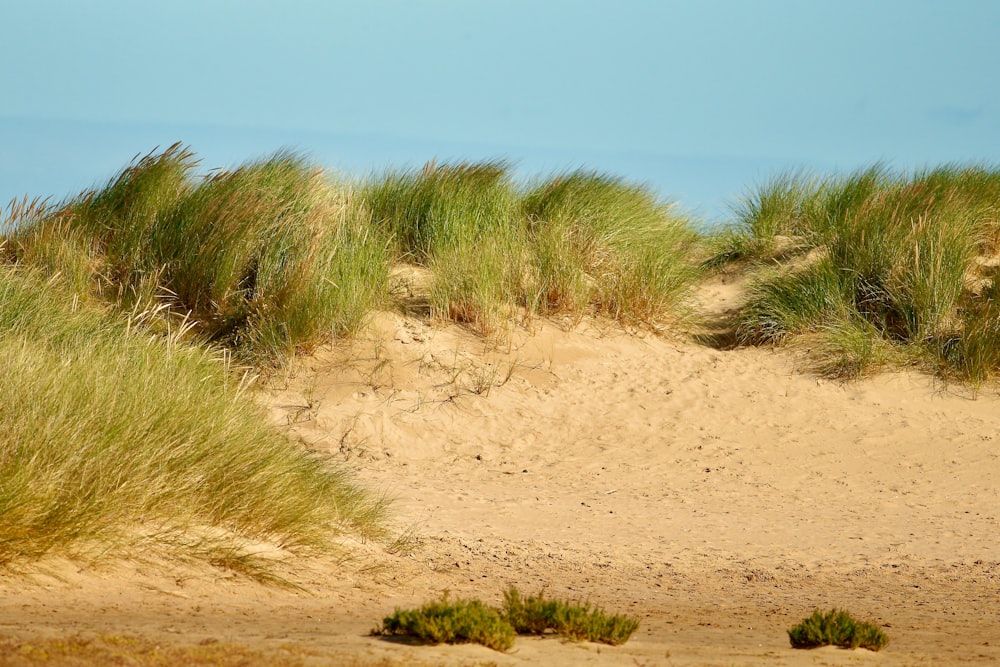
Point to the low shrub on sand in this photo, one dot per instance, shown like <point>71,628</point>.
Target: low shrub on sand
<point>836,628</point>
<point>536,615</point>
<point>457,622</point>
<point>465,621</point>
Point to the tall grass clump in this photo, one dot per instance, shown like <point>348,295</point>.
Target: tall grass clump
<point>906,260</point>
<point>462,222</point>
<point>271,256</point>
<point>114,438</point>
<point>266,257</point>
<point>602,244</point>
<point>771,219</point>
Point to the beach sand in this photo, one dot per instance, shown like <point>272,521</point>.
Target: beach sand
<point>718,495</point>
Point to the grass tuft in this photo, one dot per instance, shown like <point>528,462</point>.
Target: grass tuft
<point>267,258</point>
<point>836,628</point>
<point>462,222</point>
<point>603,244</point>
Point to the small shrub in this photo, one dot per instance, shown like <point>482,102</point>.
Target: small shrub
<point>472,621</point>
<point>836,628</point>
<point>458,622</point>
<point>535,615</point>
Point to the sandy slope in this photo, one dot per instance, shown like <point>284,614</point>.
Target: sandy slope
<point>719,495</point>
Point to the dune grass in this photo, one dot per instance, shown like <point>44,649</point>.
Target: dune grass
<point>462,222</point>
<point>275,256</point>
<point>266,258</point>
<point>121,439</point>
<point>577,243</point>
<point>120,423</point>
<point>602,244</point>
<point>901,268</point>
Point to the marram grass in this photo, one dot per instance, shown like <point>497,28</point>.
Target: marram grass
<point>461,221</point>
<point>908,261</point>
<point>121,439</point>
<point>266,258</point>
<point>120,425</point>
<point>576,243</point>
<point>602,244</point>
<point>275,256</point>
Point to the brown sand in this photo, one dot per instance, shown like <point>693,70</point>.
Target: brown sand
<point>718,495</point>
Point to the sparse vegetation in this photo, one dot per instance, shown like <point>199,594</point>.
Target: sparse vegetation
<point>472,621</point>
<point>836,628</point>
<point>78,650</point>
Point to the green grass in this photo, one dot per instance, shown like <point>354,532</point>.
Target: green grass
<point>462,222</point>
<point>115,439</point>
<point>895,259</point>
<point>274,256</point>
<point>266,258</point>
<point>578,243</point>
<point>836,628</point>
<point>777,210</point>
<point>603,245</point>
<point>464,621</point>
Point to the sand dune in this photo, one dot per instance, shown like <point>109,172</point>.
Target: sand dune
<point>720,495</point>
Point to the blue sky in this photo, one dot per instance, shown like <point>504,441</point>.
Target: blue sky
<point>698,99</point>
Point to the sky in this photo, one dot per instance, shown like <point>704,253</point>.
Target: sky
<point>699,99</point>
